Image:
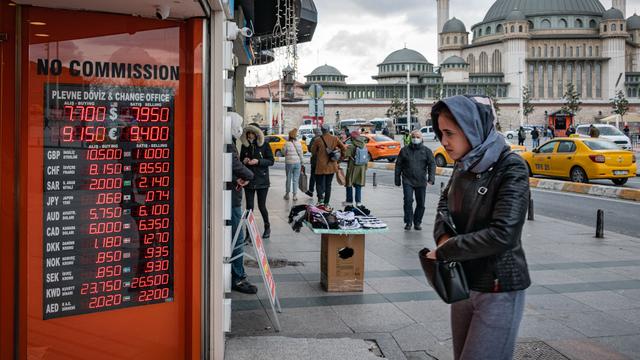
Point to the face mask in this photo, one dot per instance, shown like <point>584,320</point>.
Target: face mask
<point>416,141</point>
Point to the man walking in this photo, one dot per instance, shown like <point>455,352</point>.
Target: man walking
<point>416,167</point>
<point>535,137</point>
<point>522,136</point>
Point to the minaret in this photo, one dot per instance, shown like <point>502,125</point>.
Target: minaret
<point>620,5</point>
<point>443,16</point>
<point>613,48</point>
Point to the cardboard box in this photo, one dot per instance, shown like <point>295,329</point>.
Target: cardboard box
<point>342,262</point>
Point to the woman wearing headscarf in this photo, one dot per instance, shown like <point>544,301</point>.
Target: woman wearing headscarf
<point>356,170</point>
<point>257,156</point>
<point>293,162</point>
<point>485,203</point>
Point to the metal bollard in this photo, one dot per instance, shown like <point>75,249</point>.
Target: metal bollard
<point>375,182</point>
<point>600,224</point>
<point>530,215</point>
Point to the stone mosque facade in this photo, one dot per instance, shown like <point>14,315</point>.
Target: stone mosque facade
<point>544,45</point>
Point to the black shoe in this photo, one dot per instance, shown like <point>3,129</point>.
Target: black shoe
<point>407,226</point>
<point>245,287</point>
<point>309,193</point>
<point>364,210</point>
<point>267,232</point>
<point>417,226</point>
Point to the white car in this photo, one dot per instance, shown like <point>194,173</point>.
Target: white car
<point>513,134</point>
<point>428,133</point>
<point>608,132</point>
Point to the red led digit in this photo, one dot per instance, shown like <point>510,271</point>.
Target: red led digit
<point>67,133</point>
<point>108,256</point>
<point>105,301</point>
<point>107,242</point>
<point>104,154</point>
<point>105,184</point>
<point>164,114</point>
<point>157,195</point>
<point>109,198</point>
<point>156,252</point>
<point>108,271</point>
<point>144,113</point>
<point>155,294</point>
<point>155,114</point>
<point>159,265</point>
<point>159,237</point>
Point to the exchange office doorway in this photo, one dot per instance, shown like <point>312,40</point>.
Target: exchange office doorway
<point>101,126</point>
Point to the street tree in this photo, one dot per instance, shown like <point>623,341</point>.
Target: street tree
<point>527,106</point>
<point>491,93</point>
<point>620,104</point>
<point>398,108</point>
<point>572,100</point>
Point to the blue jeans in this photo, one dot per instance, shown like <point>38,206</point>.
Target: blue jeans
<point>358,193</point>
<point>237,266</point>
<point>293,176</point>
<point>536,142</point>
<point>485,326</point>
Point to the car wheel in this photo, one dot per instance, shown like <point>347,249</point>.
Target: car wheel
<point>278,153</point>
<point>578,175</point>
<point>441,161</point>
<point>509,136</point>
<point>620,182</point>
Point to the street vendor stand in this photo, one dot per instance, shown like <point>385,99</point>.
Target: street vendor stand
<point>342,258</point>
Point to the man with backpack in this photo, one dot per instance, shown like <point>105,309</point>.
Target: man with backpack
<point>415,168</point>
<point>358,159</point>
<point>328,150</point>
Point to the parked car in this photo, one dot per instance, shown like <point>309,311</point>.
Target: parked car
<point>381,147</point>
<point>513,134</point>
<point>306,131</point>
<point>443,159</point>
<point>608,132</point>
<point>428,133</point>
<point>276,143</point>
<point>582,159</point>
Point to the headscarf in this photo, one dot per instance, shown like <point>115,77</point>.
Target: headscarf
<point>475,115</point>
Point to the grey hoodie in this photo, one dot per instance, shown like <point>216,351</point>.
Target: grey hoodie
<point>475,116</point>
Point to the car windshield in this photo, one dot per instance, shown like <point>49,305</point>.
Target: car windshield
<point>380,138</point>
<point>609,130</point>
<point>601,145</point>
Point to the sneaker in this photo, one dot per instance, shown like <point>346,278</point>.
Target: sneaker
<point>309,193</point>
<point>364,210</point>
<point>417,227</point>
<point>295,198</point>
<point>407,226</point>
<point>286,196</point>
<point>245,287</point>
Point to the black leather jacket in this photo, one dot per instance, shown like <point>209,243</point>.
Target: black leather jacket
<point>488,211</point>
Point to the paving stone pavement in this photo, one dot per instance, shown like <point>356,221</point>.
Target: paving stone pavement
<point>584,302</point>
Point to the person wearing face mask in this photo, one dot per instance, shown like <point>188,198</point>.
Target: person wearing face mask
<point>240,176</point>
<point>479,223</point>
<point>257,156</point>
<point>415,168</point>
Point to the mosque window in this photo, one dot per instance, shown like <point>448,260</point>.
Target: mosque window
<point>570,73</point>
<point>613,27</point>
<point>480,32</point>
<point>598,76</point>
<point>513,29</point>
<point>447,40</point>
<point>579,78</point>
<point>563,23</point>
<point>597,51</point>
<point>552,52</point>
<point>540,80</point>
<point>592,23</point>
<point>488,31</point>
<point>531,79</point>
<point>565,50</point>
<point>521,28</point>
<point>455,39</point>
<point>539,51</point>
<point>496,61</point>
<point>558,51</point>
<point>621,27</point>
<point>589,74</point>
<point>533,52</point>
<point>577,51</point>
<point>560,84</point>
<point>499,29</point>
<point>605,28</point>
<point>530,25</point>
<point>570,51</point>
<point>579,23</point>
<point>550,80</point>
<point>546,51</point>
<point>472,63</point>
<point>484,62</point>
<point>545,24</point>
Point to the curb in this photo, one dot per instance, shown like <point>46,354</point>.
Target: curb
<point>613,192</point>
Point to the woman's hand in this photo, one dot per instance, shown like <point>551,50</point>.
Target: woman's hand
<point>253,161</point>
<point>245,161</point>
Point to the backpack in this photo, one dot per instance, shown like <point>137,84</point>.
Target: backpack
<point>361,156</point>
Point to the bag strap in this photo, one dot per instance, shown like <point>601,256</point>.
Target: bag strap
<point>298,152</point>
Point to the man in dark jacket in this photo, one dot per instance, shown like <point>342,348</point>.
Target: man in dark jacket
<point>416,167</point>
<point>312,166</point>
<point>535,137</point>
<point>240,176</point>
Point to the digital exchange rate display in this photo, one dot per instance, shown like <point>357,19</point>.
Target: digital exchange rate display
<point>108,198</point>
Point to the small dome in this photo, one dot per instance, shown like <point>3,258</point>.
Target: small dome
<point>613,14</point>
<point>516,15</point>
<point>633,23</point>
<point>454,25</point>
<point>454,60</point>
<point>404,56</point>
<point>325,70</point>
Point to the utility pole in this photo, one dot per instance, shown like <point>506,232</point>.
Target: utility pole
<point>270,117</point>
<point>280,120</point>
<point>520,90</point>
<point>408,102</point>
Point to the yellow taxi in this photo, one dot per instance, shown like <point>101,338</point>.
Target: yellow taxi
<point>443,159</point>
<point>581,160</point>
<point>276,143</point>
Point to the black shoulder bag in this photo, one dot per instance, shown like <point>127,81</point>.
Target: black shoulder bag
<point>447,278</point>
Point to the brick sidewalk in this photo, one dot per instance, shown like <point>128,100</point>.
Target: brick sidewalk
<point>584,303</point>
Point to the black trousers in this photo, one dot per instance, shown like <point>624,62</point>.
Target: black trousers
<point>411,217</point>
<point>323,183</point>
<point>312,176</point>
<point>262,202</point>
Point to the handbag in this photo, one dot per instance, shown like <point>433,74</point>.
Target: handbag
<point>303,182</point>
<point>447,278</point>
<point>333,154</point>
<point>340,177</point>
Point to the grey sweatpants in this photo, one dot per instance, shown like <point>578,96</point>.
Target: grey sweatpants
<point>485,326</point>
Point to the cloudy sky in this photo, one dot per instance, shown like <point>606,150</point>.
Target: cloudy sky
<point>356,35</point>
